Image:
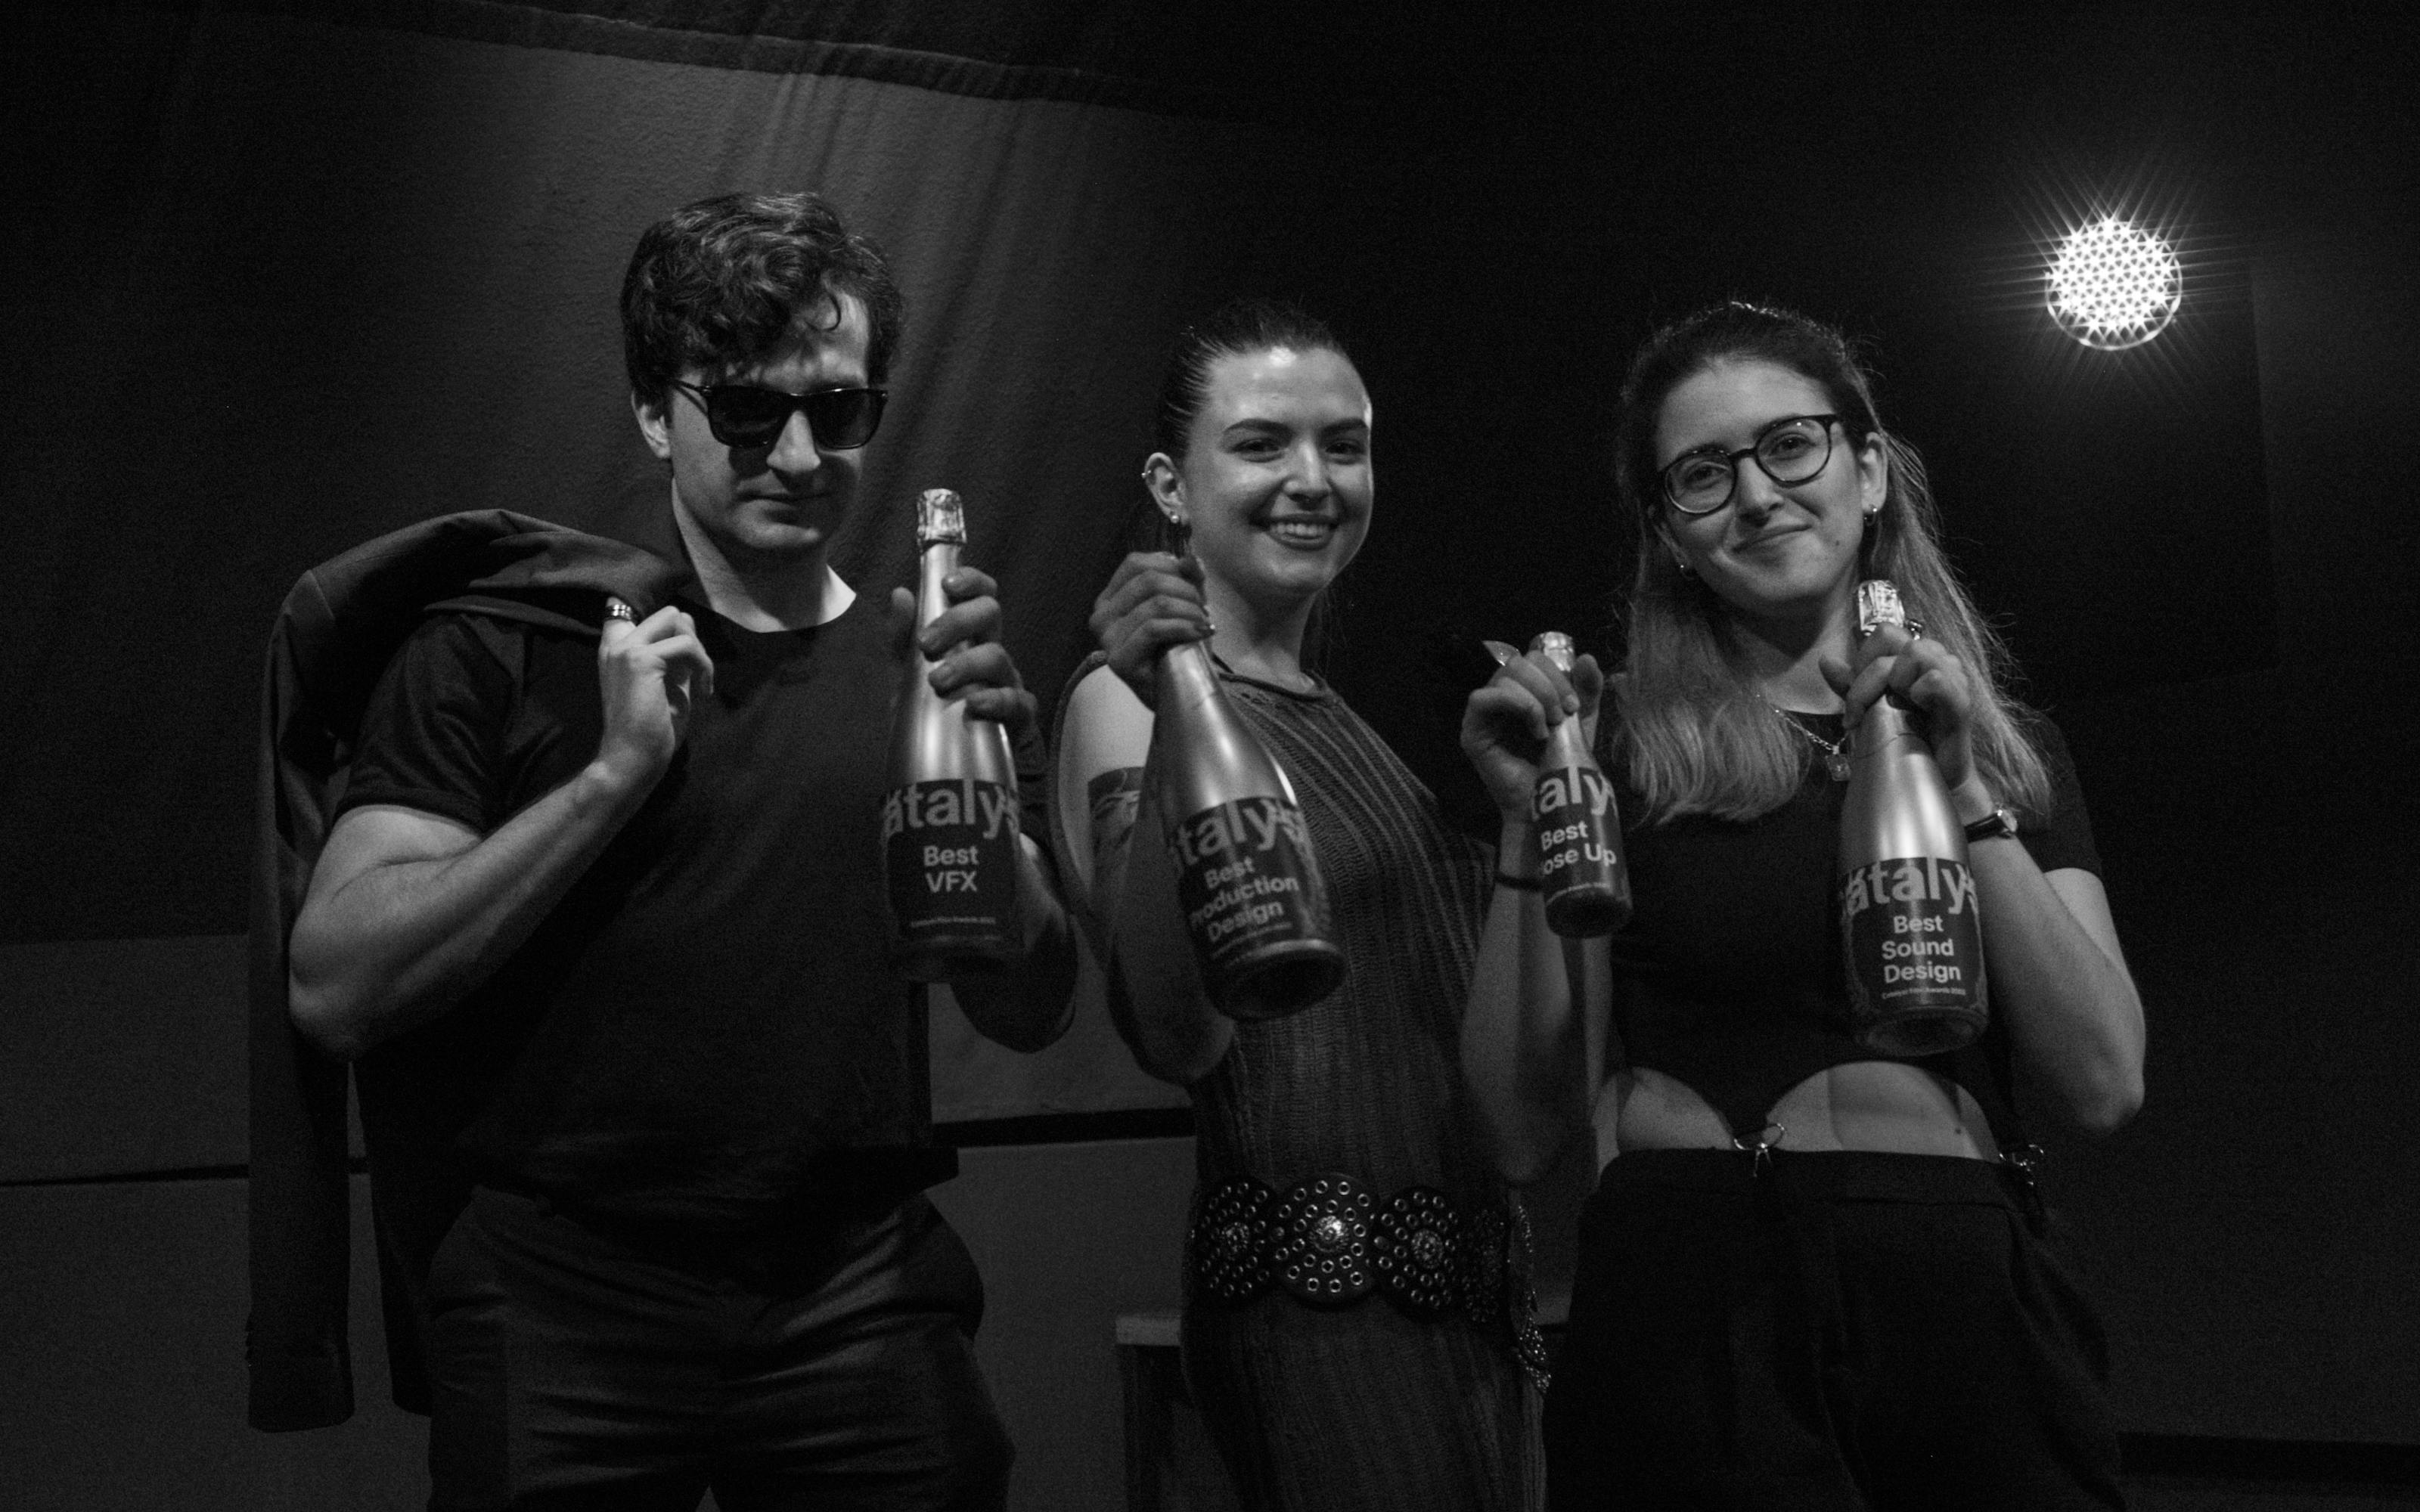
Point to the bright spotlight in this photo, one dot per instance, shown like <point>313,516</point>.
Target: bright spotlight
<point>2114,284</point>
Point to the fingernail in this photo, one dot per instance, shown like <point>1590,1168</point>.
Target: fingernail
<point>1502,653</point>
<point>1571,704</point>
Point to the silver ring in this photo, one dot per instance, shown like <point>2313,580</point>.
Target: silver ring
<point>1914,629</point>
<point>616,609</point>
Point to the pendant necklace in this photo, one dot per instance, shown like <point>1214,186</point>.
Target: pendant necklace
<point>1836,752</point>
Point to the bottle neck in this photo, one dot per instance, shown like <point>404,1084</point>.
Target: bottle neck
<point>941,559</point>
<point>1187,679</point>
<point>1887,725</point>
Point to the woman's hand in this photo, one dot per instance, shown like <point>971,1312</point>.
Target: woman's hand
<point>1154,601</point>
<point>1505,722</point>
<point>1926,676</point>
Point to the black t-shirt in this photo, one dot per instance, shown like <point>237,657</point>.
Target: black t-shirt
<point>703,1030</point>
<point>1736,984</point>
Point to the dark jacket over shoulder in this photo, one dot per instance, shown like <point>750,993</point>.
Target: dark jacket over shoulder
<point>339,626</point>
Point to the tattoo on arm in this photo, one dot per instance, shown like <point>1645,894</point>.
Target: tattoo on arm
<point>1115,797</point>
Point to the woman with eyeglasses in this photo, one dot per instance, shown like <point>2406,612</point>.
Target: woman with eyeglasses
<point>1409,1390</point>
<point>1810,1276</point>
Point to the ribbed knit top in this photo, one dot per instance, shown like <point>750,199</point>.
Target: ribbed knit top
<point>1368,1080</point>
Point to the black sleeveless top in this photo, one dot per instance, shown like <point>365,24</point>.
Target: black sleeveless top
<point>1732,956</point>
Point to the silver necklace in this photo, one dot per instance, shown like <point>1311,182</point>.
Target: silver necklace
<point>1836,752</point>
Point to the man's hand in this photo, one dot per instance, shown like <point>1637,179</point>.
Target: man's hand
<point>648,672</point>
<point>963,644</point>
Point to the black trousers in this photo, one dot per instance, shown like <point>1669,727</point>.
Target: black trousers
<point>578,1364</point>
<point>1844,1332</point>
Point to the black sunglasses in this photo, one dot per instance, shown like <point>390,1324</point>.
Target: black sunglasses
<point>742,414</point>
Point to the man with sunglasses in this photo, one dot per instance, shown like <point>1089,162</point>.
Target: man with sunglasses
<point>613,903</point>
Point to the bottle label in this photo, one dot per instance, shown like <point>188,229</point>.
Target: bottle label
<point>1573,812</point>
<point>1912,937</point>
<point>949,853</point>
<point>1244,880</point>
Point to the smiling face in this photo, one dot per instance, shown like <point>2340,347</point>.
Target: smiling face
<point>1276,479</point>
<point>773,505</point>
<point>1774,553</point>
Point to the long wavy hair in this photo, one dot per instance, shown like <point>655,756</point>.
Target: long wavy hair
<point>1694,734</point>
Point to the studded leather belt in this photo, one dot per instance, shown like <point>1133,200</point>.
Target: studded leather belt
<point>1329,1240</point>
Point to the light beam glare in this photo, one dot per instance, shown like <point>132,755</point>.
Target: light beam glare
<point>2114,284</point>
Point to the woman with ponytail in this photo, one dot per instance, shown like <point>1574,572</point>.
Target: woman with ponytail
<point>1357,1323</point>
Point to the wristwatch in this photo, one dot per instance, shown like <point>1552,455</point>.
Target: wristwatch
<point>2001,822</point>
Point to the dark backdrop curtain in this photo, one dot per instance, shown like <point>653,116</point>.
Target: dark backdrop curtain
<point>291,276</point>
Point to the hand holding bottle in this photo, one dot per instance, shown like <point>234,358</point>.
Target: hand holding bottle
<point>1506,723</point>
<point>963,644</point>
<point>1911,936</point>
<point>950,821</point>
<point>1924,676</point>
<point>1154,601</point>
<point>1247,879</point>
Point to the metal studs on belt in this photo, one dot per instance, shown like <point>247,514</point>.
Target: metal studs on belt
<point>1322,1229</point>
<point>1418,1243</point>
<point>1229,1242</point>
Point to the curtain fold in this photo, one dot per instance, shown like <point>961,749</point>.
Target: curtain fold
<point>296,275</point>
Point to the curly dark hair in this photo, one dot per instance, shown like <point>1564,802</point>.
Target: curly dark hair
<point>727,281</point>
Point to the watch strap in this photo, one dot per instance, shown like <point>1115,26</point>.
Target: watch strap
<point>2001,822</point>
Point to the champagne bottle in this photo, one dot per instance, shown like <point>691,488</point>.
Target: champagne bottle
<point>1245,875</point>
<point>950,823</point>
<point>1910,934</point>
<point>1580,872</point>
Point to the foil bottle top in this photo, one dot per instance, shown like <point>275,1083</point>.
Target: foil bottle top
<point>1556,646</point>
<point>941,516</point>
<point>1878,605</point>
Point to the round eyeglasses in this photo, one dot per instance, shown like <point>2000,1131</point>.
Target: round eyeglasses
<point>1791,450</point>
<point>744,415</point>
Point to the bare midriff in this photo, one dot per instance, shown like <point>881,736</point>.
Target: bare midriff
<point>1865,1104</point>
